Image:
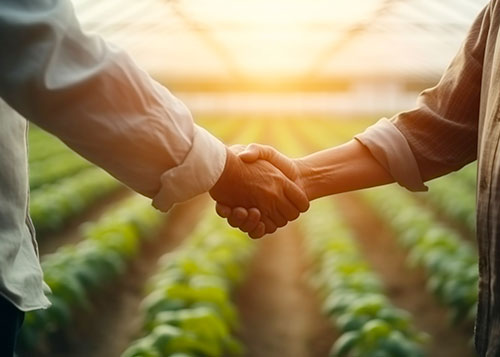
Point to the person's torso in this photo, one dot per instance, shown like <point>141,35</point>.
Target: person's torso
<point>20,272</point>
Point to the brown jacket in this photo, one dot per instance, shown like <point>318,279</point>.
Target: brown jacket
<point>456,122</point>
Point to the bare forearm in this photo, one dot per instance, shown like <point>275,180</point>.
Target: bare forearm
<point>343,168</point>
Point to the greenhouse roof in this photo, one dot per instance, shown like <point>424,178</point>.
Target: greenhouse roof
<point>313,39</point>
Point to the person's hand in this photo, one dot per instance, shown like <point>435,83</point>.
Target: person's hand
<point>290,167</point>
<point>264,194</point>
<point>247,220</point>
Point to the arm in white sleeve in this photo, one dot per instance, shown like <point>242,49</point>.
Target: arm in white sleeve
<point>96,99</point>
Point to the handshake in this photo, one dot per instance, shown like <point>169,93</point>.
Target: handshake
<point>260,189</point>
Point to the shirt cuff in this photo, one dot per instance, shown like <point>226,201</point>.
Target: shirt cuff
<point>198,173</point>
<point>391,149</point>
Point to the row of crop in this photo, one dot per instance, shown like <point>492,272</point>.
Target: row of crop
<point>42,145</point>
<point>468,175</point>
<point>450,262</point>
<point>75,271</point>
<point>327,132</point>
<point>455,197</point>
<point>52,205</point>
<point>225,129</point>
<point>353,295</point>
<point>188,310</point>
<point>50,160</point>
<point>55,168</point>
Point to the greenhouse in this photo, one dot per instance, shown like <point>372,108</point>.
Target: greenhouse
<point>381,272</point>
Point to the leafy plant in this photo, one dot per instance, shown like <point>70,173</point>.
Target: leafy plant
<point>353,296</point>
<point>450,262</point>
<point>74,271</point>
<point>52,205</point>
<point>188,309</point>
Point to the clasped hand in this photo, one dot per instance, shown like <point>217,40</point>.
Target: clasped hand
<point>259,190</point>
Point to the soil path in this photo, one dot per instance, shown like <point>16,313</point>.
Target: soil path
<point>404,286</point>
<point>115,320</point>
<point>280,312</point>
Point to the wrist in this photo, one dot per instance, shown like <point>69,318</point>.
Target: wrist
<point>225,176</point>
<point>307,177</point>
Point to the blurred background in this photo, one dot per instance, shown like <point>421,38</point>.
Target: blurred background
<point>376,273</point>
<point>345,57</point>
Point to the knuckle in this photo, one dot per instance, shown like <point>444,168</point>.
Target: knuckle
<point>244,230</point>
<point>272,230</point>
<point>280,221</point>
<point>240,213</point>
<point>233,222</point>
<point>254,236</point>
<point>294,215</point>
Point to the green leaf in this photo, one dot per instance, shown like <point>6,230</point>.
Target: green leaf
<point>345,344</point>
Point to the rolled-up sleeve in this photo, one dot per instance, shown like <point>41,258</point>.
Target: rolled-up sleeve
<point>101,104</point>
<point>441,134</point>
<point>390,148</point>
<point>198,172</point>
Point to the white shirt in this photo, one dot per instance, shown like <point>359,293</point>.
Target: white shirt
<point>95,99</point>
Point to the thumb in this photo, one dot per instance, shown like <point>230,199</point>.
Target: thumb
<point>251,153</point>
<point>254,152</point>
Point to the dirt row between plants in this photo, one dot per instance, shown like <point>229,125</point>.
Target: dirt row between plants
<point>115,319</point>
<point>405,286</point>
<point>279,311</point>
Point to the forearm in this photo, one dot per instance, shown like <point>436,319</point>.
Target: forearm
<point>101,104</point>
<point>343,168</point>
<point>90,95</point>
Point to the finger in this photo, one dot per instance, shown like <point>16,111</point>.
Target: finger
<point>258,232</point>
<point>296,196</point>
<point>278,218</point>
<point>269,224</point>
<point>237,217</point>
<point>288,210</point>
<point>252,220</point>
<point>223,210</point>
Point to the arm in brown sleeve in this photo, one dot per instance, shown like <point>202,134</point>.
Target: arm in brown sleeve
<point>442,131</point>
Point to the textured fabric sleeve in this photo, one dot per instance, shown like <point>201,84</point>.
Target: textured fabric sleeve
<point>442,131</point>
<point>96,99</point>
<point>390,148</point>
<point>199,171</point>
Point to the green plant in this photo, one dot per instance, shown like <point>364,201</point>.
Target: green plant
<point>52,205</point>
<point>353,296</point>
<point>74,271</point>
<point>450,262</point>
<point>188,309</point>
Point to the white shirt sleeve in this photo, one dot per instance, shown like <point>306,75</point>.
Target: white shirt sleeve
<point>198,173</point>
<point>96,99</point>
<point>390,148</point>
